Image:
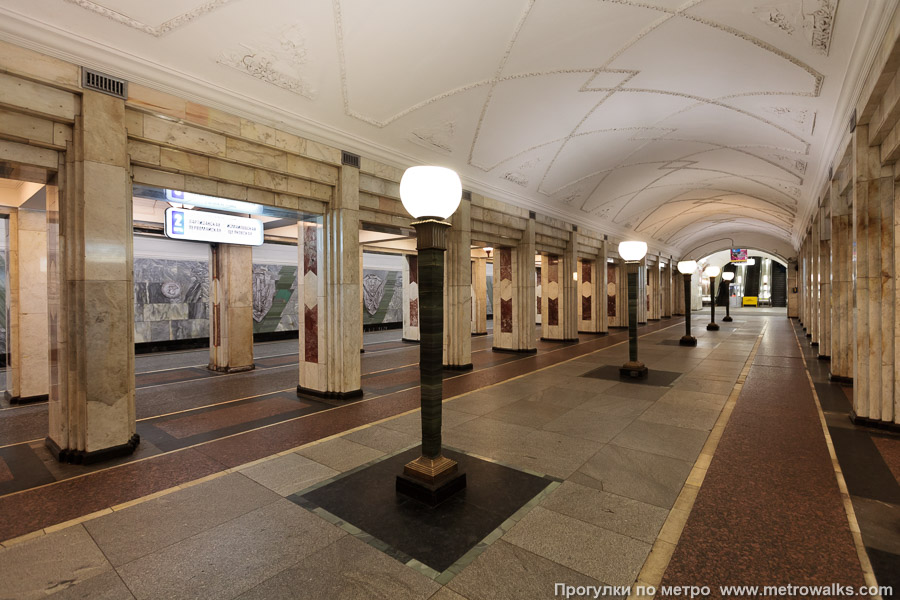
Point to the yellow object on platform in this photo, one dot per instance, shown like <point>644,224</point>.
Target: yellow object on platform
<point>751,301</point>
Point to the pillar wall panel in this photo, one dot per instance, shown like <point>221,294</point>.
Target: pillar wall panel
<point>612,291</point>
<point>588,315</point>
<point>330,321</point>
<point>654,291</point>
<point>873,190</point>
<point>28,369</point>
<point>842,286</point>
<point>479,296</point>
<point>231,308</point>
<point>825,285</point>
<point>514,295</point>
<point>458,290</point>
<point>551,302</point>
<point>410,298</point>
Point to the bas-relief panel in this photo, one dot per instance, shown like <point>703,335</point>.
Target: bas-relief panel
<point>171,299</point>
<point>382,296</point>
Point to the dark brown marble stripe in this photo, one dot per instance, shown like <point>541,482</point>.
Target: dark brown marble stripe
<point>769,511</point>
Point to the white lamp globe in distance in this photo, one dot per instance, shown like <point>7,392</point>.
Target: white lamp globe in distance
<point>430,192</point>
<point>711,271</point>
<point>687,266</point>
<point>632,251</point>
<point>727,275</point>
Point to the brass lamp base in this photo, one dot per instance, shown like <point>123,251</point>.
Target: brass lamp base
<point>431,481</point>
<point>431,470</point>
<point>633,370</point>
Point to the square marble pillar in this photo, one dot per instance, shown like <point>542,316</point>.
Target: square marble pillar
<point>514,295</point>
<point>842,285</point>
<point>479,295</point>
<point>458,290</point>
<point>230,308</point>
<point>873,189</point>
<point>643,305</point>
<point>329,287</point>
<point>90,290</point>
<point>589,320</point>
<point>551,309</point>
<point>793,283</point>
<point>825,282</point>
<point>654,308</point>
<point>410,298</point>
<point>29,352</point>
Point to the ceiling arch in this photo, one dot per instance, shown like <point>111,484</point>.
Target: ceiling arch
<point>668,120</point>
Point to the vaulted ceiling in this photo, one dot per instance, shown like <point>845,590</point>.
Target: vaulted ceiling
<point>688,123</point>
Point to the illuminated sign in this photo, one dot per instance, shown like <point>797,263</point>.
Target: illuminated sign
<point>213,202</point>
<point>738,255</point>
<point>183,224</point>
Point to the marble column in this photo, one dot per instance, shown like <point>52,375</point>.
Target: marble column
<point>825,282</point>
<point>410,298</point>
<point>666,278</point>
<point>571,294</point>
<point>842,286</point>
<point>231,308</point>
<point>29,369</point>
<point>538,296</point>
<point>793,283</point>
<point>601,300</point>
<point>90,290</point>
<point>873,186</point>
<point>887,328</point>
<point>479,296</point>
<point>815,278</point>
<point>514,295</point>
<point>329,288</point>
<point>458,290</point>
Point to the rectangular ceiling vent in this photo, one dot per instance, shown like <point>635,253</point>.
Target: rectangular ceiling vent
<point>467,195</point>
<point>532,214</point>
<point>95,80</point>
<point>351,160</point>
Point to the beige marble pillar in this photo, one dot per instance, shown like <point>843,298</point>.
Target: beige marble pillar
<point>29,369</point>
<point>231,308</point>
<point>410,298</point>
<point>666,279</point>
<point>329,289</point>
<point>793,283</point>
<point>884,283</point>
<point>479,296</point>
<point>815,279</point>
<point>514,295</point>
<point>458,290</point>
<point>601,288</point>
<point>825,282</point>
<point>872,188</point>
<point>90,290</point>
<point>841,366</point>
<point>538,294</point>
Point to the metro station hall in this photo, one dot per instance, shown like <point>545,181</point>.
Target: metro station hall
<point>449,300</point>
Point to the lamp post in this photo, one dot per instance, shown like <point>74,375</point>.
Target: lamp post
<point>728,276</point>
<point>712,272</point>
<point>632,253</point>
<point>687,268</point>
<point>430,195</point>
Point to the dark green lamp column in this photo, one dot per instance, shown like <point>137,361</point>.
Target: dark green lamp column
<point>687,268</point>
<point>431,195</point>
<point>632,253</point>
<point>712,272</point>
<point>727,276</point>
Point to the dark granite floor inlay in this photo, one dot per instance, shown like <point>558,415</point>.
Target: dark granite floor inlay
<point>406,529</point>
<point>654,377</point>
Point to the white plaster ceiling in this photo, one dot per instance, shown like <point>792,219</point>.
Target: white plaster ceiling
<point>680,122</point>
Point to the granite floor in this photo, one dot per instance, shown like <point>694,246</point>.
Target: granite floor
<point>723,469</point>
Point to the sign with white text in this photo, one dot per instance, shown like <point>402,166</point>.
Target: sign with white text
<point>191,200</point>
<point>182,224</point>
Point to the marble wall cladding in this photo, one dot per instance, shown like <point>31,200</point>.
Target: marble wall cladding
<point>171,299</point>
<point>4,306</point>
<point>611,288</point>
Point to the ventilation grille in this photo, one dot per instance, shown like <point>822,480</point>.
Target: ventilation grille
<point>94,80</point>
<point>575,228</point>
<point>351,160</point>
<point>466,195</point>
<point>532,214</point>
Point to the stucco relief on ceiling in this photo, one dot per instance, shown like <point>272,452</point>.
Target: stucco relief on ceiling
<point>811,19</point>
<point>154,30</point>
<point>276,59</point>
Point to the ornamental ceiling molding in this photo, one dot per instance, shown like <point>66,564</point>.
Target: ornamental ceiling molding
<point>701,206</point>
<point>276,59</point>
<point>156,31</point>
<point>811,19</point>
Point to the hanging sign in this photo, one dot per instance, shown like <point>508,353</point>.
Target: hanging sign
<point>738,255</point>
<point>183,224</point>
